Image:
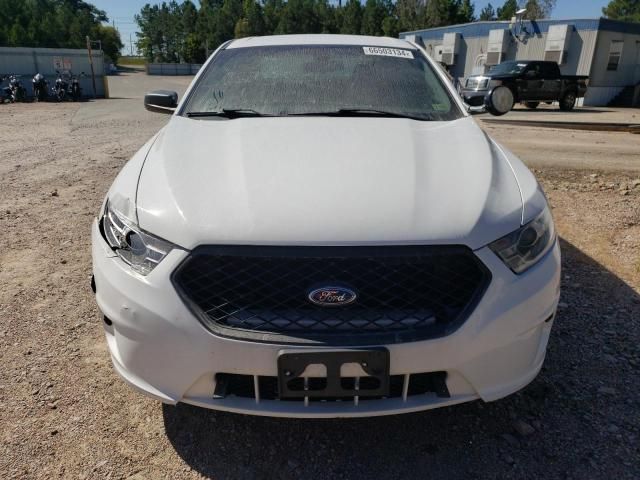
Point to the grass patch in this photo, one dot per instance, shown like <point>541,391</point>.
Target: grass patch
<point>132,61</point>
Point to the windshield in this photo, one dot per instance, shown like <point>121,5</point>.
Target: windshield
<point>508,68</point>
<point>317,79</point>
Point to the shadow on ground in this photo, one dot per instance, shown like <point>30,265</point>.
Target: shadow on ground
<point>555,109</point>
<point>582,407</point>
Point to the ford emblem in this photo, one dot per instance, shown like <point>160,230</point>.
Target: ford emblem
<point>332,296</point>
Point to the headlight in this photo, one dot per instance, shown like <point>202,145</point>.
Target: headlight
<point>483,84</point>
<point>143,252</point>
<point>523,248</point>
<point>495,83</point>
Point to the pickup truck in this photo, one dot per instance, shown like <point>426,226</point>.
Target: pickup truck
<point>531,82</point>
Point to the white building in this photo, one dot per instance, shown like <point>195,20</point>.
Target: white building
<point>606,50</point>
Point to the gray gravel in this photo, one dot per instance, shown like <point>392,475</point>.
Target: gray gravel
<point>65,414</point>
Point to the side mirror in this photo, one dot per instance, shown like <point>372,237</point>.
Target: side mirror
<point>531,74</point>
<point>161,101</point>
<point>499,101</point>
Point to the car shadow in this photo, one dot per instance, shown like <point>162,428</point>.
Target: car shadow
<point>567,412</point>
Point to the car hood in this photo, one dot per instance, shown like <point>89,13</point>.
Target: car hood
<point>326,181</point>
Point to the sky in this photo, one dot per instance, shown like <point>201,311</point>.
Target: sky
<point>121,12</point>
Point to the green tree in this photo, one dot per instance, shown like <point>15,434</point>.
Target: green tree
<point>537,9</point>
<point>390,26</point>
<point>51,23</point>
<point>466,12</point>
<point>625,10</point>
<point>508,10</point>
<point>487,13</point>
<point>352,18</point>
<point>110,39</point>
<point>440,13</point>
<point>410,15</point>
<point>252,21</point>
<point>373,15</point>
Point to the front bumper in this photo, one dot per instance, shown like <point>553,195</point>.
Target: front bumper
<point>474,98</point>
<point>161,349</point>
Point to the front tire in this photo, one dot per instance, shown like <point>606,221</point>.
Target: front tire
<point>568,101</point>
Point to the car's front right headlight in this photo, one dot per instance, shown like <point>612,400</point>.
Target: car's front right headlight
<point>522,249</point>
<point>142,251</point>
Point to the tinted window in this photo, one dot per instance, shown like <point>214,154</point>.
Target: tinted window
<point>549,70</point>
<point>508,68</point>
<point>312,79</point>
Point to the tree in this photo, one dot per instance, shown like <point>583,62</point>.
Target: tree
<point>465,12</point>
<point>252,21</point>
<point>487,14</point>
<point>374,13</point>
<point>437,13</point>
<point>508,10</point>
<point>410,14</point>
<point>352,17</point>
<point>537,9</point>
<point>625,10</point>
<point>110,39</point>
<point>52,23</point>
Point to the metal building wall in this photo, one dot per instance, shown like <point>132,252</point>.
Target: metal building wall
<point>475,41</point>
<point>26,61</point>
<point>588,51</point>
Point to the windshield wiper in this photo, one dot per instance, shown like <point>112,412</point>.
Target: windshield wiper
<point>356,112</point>
<point>229,113</point>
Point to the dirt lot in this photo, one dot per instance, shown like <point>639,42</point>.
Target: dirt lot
<point>65,413</point>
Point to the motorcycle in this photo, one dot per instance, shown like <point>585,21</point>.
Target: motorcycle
<point>60,88</point>
<point>40,93</point>
<point>5,92</point>
<point>75,90</point>
<point>15,92</point>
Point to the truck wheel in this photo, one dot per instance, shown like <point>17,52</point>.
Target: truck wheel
<point>531,105</point>
<point>568,101</point>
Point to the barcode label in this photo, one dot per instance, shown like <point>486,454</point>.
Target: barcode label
<point>388,52</point>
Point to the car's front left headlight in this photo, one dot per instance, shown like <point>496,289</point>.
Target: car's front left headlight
<point>523,248</point>
<point>142,251</point>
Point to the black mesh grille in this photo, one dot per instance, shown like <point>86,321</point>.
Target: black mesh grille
<point>403,293</point>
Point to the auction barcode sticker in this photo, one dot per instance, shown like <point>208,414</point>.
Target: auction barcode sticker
<point>388,52</point>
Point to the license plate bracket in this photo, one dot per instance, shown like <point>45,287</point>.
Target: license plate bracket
<point>292,364</point>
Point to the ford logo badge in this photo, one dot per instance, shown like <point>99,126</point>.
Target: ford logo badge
<point>332,296</point>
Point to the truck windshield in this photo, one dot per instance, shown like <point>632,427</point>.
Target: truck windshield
<point>508,68</point>
<point>321,80</point>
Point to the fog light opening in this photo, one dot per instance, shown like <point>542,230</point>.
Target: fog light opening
<point>107,321</point>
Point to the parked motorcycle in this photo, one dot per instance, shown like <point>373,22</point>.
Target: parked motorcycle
<point>75,90</point>
<point>16,91</point>
<point>40,92</point>
<point>5,92</point>
<point>61,86</point>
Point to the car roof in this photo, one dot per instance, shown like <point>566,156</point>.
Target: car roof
<point>320,39</point>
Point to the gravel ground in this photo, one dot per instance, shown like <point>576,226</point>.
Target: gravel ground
<point>65,413</point>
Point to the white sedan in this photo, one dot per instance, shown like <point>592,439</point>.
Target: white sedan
<point>322,230</point>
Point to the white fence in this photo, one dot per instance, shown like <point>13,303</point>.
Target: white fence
<point>27,61</point>
<point>173,68</point>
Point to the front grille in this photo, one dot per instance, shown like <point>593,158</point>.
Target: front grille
<point>266,387</point>
<point>476,83</point>
<point>261,293</point>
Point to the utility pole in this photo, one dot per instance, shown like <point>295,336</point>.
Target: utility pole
<point>93,74</point>
<point>131,44</point>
